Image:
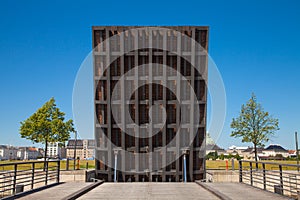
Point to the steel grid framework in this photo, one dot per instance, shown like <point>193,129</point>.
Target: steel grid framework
<point>118,132</point>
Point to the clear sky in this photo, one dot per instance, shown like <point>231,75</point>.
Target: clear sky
<point>255,45</point>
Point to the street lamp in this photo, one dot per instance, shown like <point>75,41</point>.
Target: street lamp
<point>75,149</point>
<point>297,152</point>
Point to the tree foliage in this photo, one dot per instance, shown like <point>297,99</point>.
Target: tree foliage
<point>254,124</point>
<point>47,124</point>
<point>212,155</point>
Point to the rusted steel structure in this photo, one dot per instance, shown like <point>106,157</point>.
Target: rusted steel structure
<point>163,143</point>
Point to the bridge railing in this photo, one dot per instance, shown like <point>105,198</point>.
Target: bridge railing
<point>16,177</point>
<point>280,178</point>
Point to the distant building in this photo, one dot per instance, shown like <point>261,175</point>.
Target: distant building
<point>211,146</point>
<point>42,151</point>
<point>85,149</point>
<point>249,153</point>
<point>53,150</point>
<point>28,153</point>
<point>274,150</point>
<point>292,153</point>
<point>8,152</point>
<point>63,152</point>
<point>214,148</point>
<point>236,150</point>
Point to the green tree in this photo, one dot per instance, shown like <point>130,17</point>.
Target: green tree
<point>222,157</point>
<point>237,157</point>
<point>46,125</point>
<point>254,124</point>
<point>212,155</point>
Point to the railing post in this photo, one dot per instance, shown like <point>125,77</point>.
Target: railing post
<point>241,171</point>
<point>67,164</point>
<point>58,171</point>
<point>46,177</point>
<point>281,178</point>
<point>264,176</point>
<point>32,176</point>
<point>15,178</point>
<point>251,176</point>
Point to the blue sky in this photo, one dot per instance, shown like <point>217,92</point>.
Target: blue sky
<point>255,45</point>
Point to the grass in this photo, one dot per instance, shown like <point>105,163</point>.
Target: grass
<point>221,164</point>
<point>210,164</point>
<point>63,165</point>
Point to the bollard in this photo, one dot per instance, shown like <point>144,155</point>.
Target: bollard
<point>87,165</point>
<point>232,164</point>
<point>278,189</point>
<point>226,164</point>
<point>19,188</point>
<point>78,163</point>
<point>241,171</point>
<point>184,168</point>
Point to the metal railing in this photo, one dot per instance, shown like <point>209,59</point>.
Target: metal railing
<point>16,177</point>
<point>280,178</point>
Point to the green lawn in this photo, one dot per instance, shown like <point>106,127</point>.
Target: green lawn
<point>221,164</point>
<point>210,164</point>
<point>63,163</point>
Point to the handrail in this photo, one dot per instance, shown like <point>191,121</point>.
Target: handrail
<point>271,163</point>
<point>17,179</point>
<point>265,176</point>
<point>27,162</point>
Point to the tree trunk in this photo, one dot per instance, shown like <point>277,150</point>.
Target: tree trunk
<point>45,155</point>
<point>255,152</point>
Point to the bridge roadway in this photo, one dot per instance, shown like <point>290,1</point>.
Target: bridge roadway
<point>173,191</point>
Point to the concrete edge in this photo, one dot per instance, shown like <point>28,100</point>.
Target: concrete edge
<point>28,192</point>
<point>269,191</point>
<point>82,191</point>
<point>213,191</point>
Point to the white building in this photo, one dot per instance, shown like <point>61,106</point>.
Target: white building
<point>236,150</point>
<point>53,150</point>
<point>85,149</point>
<point>8,152</point>
<point>274,150</point>
<point>28,153</point>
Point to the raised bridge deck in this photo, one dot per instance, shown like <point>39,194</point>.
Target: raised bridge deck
<point>162,191</point>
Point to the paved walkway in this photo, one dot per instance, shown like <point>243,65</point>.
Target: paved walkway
<point>162,191</point>
<point>236,191</point>
<point>172,191</point>
<point>56,192</point>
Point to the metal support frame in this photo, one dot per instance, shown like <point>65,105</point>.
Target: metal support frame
<point>32,176</point>
<point>240,171</point>
<point>106,55</point>
<point>251,175</point>
<point>264,176</point>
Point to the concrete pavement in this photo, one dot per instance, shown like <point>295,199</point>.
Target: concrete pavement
<point>134,191</point>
